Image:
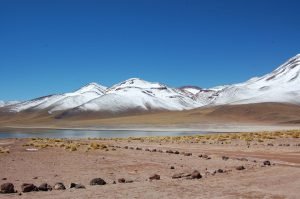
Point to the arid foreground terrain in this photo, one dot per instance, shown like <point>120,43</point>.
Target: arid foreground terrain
<point>243,165</point>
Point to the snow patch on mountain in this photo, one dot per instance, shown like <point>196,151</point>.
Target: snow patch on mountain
<point>281,85</point>
<point>64,101</point>
<point>139,94</point>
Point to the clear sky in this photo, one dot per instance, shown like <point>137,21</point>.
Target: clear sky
<point>54,46</point>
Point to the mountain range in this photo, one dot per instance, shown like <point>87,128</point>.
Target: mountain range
<point>136,95</point>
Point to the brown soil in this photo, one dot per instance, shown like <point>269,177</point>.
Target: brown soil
<point>258,114</point>
<point>55,164</point>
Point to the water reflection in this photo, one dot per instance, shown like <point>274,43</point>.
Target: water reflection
<point>93,134</point>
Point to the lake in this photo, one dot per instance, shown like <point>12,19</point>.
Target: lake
<point>94,134</point>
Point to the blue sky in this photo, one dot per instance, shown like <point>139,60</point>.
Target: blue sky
<point>57,46</point>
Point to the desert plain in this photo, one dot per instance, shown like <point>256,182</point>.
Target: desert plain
<point>226,165</point>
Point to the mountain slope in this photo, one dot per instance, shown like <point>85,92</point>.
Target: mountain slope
<point>7,103</point>
<point>137,94</point>
<point>61,102</point>
<point>281,85</point>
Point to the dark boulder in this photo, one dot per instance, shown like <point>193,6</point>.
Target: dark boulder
<point>7,188</point>
<point>45,187</point>
<point>97,181</point>
<point>196,175</point>
<point>27,187</point>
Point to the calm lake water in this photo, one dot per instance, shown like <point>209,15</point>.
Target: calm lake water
<point>93,134</point>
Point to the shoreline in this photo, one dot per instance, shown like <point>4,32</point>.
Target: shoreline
<point>210,128</point>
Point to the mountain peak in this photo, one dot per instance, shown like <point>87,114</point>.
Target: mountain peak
<point>92,87</point>
<point>136,83</point>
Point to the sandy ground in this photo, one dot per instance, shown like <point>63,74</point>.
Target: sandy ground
<point>55,164</point>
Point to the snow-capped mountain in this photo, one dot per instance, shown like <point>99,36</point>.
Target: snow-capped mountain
<point>7,103</point>
<point>137,94</point>
<point>61,102</point>
<point>281,85</point>
<point>191,89</point>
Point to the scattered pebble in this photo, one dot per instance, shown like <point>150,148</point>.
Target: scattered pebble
<point>267,163</point>
<point>154,177</point>
<point>240,168</point>
<point>121,180</point>
<point>225,158</point>
<point>77,186</point>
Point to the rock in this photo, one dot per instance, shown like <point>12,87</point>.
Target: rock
<point>196,175</point>
<point>169,151</point>
<point>177,175</point>
<point>27,187</point>
<point>147,149</point>
<point>267,163</point>
<point>121,180</point>
<point>126,147</point>
<point>79,186</point>
<point>220,171</point>
<point>225,158</point>
<point>206,157</point>
<point>4,178</point>
<point>176,152</point>
<point>240,168</point>
<point>172,167</point>
<point>186,175</point>
<point>138,148</point>
<point>242,159</point>
<point>154,177</point>
<point>129,181</point>
<point>153,150</point>
<point>131,148</point>
<point>160,151</point>
<point>35,178</point>
<point>187,154</point>
<point>59,186</point>
<point>97,181</point>
<point>45,187</point>
<point>7,188</point>
<point>76,186</point>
